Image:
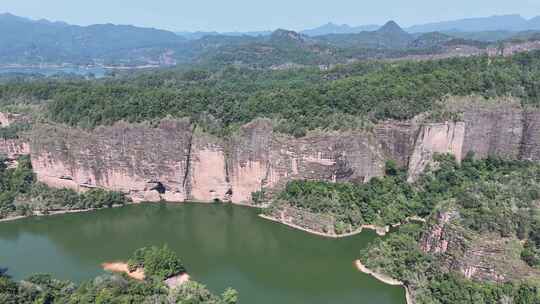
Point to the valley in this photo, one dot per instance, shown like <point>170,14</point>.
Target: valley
<point>373,164</point>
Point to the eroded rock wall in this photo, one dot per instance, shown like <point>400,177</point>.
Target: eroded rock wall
<point>249,159</point>
<point>207,177</point>
<point>14,148</point>
<point>482,257</point>
<point>494,129</point>
<point>397,140</point>
<point>333,157</point>
<point>173,162</point>
<point>530,144</point>
<point>436,138</point>
<point>146,163</point>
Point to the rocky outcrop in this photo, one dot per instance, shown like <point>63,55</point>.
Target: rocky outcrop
<point>481,257</point>
<point>14,148</point>
<point>146,163</point>
<point>249,161</point>
<point>436,138</point>
<point>207,179</point>
<point>172,161</point>
<point>501,128</point>
<point>8,119</point>
<point>494,128</point>
<point>352,157</point>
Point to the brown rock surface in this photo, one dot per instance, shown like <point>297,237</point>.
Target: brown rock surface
<point>172,162</point>
<point>481,257</point>
<point>436,138</point>
<point>146,163</point>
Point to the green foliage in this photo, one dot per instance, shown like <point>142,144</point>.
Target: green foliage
<point>400,257</point>
<point>531,254</point>
<point>14,182</point>
<point>349,97</point>
<point>382,201</point>
<point>159,262</point>
<point>14,130</point>
<point>21,195</point>
<point>258,197</point>
<point>493,196</point>
<point>111,289</point>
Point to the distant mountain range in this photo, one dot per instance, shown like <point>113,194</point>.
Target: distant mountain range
<point>493,23</point>
<point>509,23</point>
<point>29,42</point>
<point>331,28</point>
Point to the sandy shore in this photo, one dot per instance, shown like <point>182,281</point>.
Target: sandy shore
<point>381,277</point>
<point>385,279</point>
<point>121,267</point>
<point>381,231</point>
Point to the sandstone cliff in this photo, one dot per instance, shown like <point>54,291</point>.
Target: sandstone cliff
<point>175,162</point>
<point>481,257</point>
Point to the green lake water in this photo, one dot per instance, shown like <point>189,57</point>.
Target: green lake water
<point>221,246</point>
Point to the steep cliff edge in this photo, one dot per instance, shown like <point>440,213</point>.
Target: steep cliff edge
<point>175,162</point>
<point>436,138</point>
<point>479,256</point>
<point>146,163</point>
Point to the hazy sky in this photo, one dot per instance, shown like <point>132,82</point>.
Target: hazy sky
<point>231,15</point>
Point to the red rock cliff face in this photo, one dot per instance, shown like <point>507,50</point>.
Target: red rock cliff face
<point>146,163</point>
<point>481,257</point>
<point>173,162</point>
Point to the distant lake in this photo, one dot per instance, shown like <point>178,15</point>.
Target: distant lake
<point>221,246</point>
<point>98,72</point>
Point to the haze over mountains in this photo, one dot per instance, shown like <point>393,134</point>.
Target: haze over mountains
<point>511,22</point>
<point>40,42</point>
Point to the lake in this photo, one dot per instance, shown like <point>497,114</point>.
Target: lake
<point>221,245</point>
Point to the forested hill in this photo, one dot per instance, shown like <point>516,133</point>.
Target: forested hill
<point>346,97</point>
<point>26,41</point>
<point>30,43</point>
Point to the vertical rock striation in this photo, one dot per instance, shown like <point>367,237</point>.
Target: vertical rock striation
<point>436,138</point>
<point>146,163</point>
<point>174,162</point>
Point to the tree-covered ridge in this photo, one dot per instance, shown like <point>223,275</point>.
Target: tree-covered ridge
<point>399,255</point>
<point>298,101</point>
<point>22,195</point>
<point>493,195</point>
<point>112,288</point>
<point>492,199</point>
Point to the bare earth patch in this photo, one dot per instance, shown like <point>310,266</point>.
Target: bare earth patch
<point>120,267</point>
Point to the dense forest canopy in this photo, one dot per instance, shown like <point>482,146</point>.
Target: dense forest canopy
<point>492,199</point>
<point>346,97</point>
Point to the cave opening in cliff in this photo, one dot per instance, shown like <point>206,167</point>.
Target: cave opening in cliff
<point>160,188</point>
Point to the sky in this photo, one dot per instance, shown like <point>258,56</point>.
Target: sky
<point>247,15</point>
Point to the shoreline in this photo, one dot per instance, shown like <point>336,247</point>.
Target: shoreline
<point>51,213</point>
<point>122,267</point>
<point>381,231</point>
<point>384,279</point>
